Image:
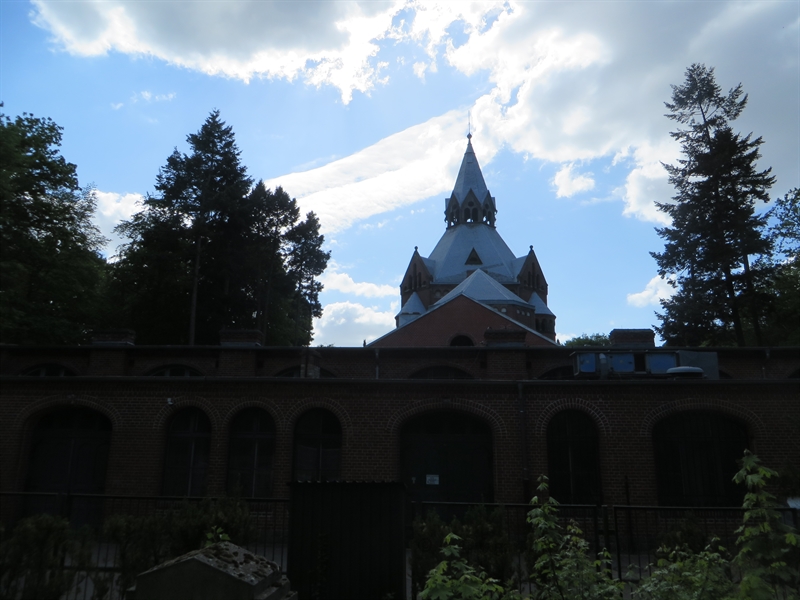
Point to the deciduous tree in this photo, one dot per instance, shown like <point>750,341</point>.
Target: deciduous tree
<point>50,266</point>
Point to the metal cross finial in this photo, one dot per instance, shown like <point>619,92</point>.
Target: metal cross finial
<point>469,124</point>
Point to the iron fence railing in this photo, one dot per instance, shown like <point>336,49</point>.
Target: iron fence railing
<point>266,522</point>
<point>631,534</point>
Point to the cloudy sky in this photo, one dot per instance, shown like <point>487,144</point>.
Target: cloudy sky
<point>359,110</point>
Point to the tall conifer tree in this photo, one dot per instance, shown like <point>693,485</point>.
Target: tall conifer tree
<point>715,233</point>
<point>211,251</point>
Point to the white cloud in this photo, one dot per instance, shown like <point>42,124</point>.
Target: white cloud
<point>350,323</point>
<point>571,83</point>
<point>118,207</point>
<point>655,290</point>
<point>117,105</point>
<point>147,96</point>
<point>111,209</point>
<point>331,43</point>
<point>568,183</point>
<point>333,279</point>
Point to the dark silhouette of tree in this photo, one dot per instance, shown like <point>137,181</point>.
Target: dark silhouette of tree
<point>50,266</point>
<point>715,234</point>
<point>211,251</point>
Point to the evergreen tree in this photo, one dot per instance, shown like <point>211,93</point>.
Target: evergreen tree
<point>715,233</point>
<point>211,251</point>
<point>50,266</point>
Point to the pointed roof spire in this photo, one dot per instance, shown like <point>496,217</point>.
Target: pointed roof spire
<point>470,176</point>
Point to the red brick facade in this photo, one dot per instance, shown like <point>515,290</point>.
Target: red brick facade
<point>373,395</point>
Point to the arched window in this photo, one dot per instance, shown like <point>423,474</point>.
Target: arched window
<point>175,371</point>
<point>252,445</point>
<point>696,458</point>
<point>48,370</point>
<point>69,451</point>
<point>573,458</point>
<point>69,454</point>
<point>446,456</point>
<point>317,446</point>
<point>187,455</point>
<point>461,340</point>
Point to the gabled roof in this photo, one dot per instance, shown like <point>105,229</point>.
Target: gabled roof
<point>450,255</point>
<point>470,176</point>
<point>484,289</point>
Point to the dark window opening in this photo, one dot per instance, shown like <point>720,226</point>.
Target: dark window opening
<point>573,458</point>
<point>473,258</point>
<point>317,446</point>
<point>440,372</point>
<point>447,457</point>
<point>187,454</point>
<point>462,340</point>
<point>48,370</point>
<point>696,458</point>
<point>175,371</point>
<point>69,454</point>
<point>252,446</point>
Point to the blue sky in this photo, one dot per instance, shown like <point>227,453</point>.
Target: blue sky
<point>359,110</point>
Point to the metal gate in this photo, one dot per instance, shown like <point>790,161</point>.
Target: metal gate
<point>346,540</point>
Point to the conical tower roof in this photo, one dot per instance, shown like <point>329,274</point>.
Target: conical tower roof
<point>470,176</point>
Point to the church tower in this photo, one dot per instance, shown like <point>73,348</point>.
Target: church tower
<point>471,260</point>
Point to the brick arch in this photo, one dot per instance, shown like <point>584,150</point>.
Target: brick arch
<point>399,417</point>
<point>271,408</point>
<point>753,422</point>
<point>43,404</point>
<point>298,408</point>
<point>598,416</point>
<point>179,402</point>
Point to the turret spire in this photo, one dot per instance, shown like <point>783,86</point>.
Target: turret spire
<point>470,201</point>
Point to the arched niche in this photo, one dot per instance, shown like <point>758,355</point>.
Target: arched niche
<point>187,453</point>
<point>446,456</point>
<point>696,454</point>
<point>250,454</point>
<point>317,446</point>
<point>69,455</point>
<point>573,458</point>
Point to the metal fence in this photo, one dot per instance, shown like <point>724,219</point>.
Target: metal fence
<point>631,534</point>
<point>266,522</point>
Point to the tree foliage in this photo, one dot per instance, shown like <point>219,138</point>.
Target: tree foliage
<point>50,266</point>
<point>589,339</point>
<point>210,251</point>
<point>715,238</point>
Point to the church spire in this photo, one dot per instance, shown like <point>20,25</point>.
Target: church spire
<point>470,201</point>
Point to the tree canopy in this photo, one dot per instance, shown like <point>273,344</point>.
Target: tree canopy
<point>210,250</point>
<point>716,245</point>
<point>588,339</point>
<point>50,266</point>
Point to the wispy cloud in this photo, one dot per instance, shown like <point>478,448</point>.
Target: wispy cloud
<point>334,279</point>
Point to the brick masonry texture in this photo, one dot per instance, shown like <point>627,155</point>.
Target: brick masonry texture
<point>372,395</point>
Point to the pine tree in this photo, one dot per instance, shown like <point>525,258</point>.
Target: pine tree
<point>211,251</point>
<point>715,233</point>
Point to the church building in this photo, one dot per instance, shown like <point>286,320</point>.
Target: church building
<point>472,290</point>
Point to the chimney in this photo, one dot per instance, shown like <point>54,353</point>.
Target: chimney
<point>632,338</point>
